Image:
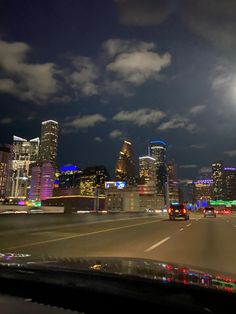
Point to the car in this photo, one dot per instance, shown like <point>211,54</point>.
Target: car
<point>209,212</point>
<point>178,211</point>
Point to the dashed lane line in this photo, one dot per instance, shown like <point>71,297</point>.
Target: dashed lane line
<point>157,244</point>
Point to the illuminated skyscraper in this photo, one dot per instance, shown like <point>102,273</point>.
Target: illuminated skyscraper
<point>5,161</point>
<point>24,153</point>
<point>125,166</point>
<point>203,189</point>
<point>43,171</point>
<point>92,180</point>
<point>157,150</point>
<point>218,181</point>
<point>230,183</point>
<point>147,170</point>
<point>173,188</point>
<point>42,180</point>
<point>48,141</point>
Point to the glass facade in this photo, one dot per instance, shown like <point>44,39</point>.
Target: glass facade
<point>125,166</point>
<point>24,153</point>
<point>147,170</point>
<point>230,183</point>
<point>5,159</point>
<point>218,181</point>
<point>49,141</point>
<point>157,150</point>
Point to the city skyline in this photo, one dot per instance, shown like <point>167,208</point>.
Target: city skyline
<point>182,91</point>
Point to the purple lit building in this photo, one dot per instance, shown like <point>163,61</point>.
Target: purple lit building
<point>42,180</point>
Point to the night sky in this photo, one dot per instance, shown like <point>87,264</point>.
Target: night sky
<point>109,70</point>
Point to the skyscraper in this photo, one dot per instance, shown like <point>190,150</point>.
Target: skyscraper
<point>147,170</point>
<point>203,189</point>
<point>92,180</point>
<point>5,160</point>
<point>230,183</point>
<point>125,166</point>
<point>48,141</point>
<point>157,150</point>
<point>173,188</point>
<point>42,180</point>
<point>24,153</point>
<point>43,171</point>
<point>218,181</point>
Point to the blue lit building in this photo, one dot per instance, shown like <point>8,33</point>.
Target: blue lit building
<point>69,176</point>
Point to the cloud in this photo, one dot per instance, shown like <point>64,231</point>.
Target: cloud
<point>198,146</point>
<point>117,88</point>
<point>35,82</point>
<point>116,134</point>
<point>205,170</point>
<point>197,109</point>
<point>86,121</point>
<point>114,46</point>
<point>142,13</point>
<point>223,82</point>
<point>140,117</point>
<point>191,166</point>
<point>84,76</point>
<point>179,122</point>
<point>230,153</point>
<point>138,66</point>
<point>213,20</point>
<point>6,120</point>
<point>98,139</point>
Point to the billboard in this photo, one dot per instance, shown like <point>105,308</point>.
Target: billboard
<point>115,184</point>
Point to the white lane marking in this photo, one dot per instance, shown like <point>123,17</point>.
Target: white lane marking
<point>156,244</point>
<point>188,225</point>
<point>78,235</point>
<point>181,229</point>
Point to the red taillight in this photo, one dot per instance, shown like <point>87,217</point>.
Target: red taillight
<point>169,210</point>
<point>184,211</point>
<point>204,210</point>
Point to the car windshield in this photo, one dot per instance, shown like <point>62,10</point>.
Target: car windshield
<point>117,131</point>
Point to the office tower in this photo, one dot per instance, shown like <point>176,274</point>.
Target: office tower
<point>230,183</point>
<point>92,180</point>
<point>5,162</point>
<point>69,176</point>
<point>35,170</point>
<point>218,181</point>
<point>157,150</point>
<point>49,141</point>
<point>42,180</point>
<point>43,171</point>
<point>47,180</point>
<point>24,153</point>
<point>173,188</point>
<point>203,189</point>
<point>125,166</point>
<point>147,170</point>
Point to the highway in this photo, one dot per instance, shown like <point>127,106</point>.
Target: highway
<point>200,242</point>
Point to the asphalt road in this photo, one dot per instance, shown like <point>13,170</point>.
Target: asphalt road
<point>200,242</point>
